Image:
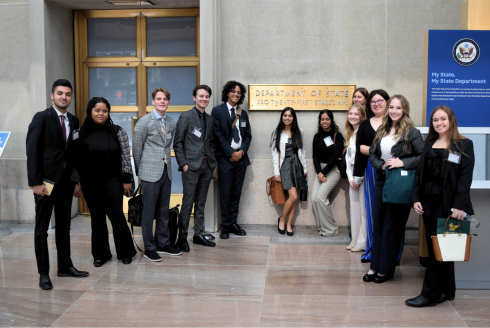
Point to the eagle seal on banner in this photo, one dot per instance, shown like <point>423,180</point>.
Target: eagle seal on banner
<point>466,52</point>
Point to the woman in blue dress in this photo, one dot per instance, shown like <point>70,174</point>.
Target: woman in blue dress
<point>362,168</point>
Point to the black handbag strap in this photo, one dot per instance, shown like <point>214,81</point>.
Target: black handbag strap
<point>138,191</point>
<point>134,241</point>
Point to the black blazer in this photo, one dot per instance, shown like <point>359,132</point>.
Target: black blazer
<point>188,147</point>
<point>223,135</point>
<point>410,156</point>
<point>45,149</point>
<point>457,179</point>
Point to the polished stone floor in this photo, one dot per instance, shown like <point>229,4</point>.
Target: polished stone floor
<point>262,280</point>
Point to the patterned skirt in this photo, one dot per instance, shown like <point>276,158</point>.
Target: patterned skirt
<point>292,174</point>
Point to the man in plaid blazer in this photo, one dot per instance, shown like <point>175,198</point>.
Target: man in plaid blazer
<point>152,138</point>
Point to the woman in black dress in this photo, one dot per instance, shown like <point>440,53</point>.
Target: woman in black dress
<point>104,165</point>
<point>289,161</point>
<point>362,167</point>
<point>440,184</point>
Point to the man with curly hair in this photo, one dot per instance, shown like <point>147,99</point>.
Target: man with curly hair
<point>232,137</point>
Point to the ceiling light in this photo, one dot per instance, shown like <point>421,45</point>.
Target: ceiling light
<point>130,3</point>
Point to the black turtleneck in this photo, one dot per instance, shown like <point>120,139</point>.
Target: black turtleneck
<point>324,154</point>
<point>99,155</point>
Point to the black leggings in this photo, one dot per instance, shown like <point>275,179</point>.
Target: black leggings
<point>105,197</point>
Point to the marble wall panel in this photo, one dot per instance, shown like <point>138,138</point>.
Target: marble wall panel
<point>14,75</point>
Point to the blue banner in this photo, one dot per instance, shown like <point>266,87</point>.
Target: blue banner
<point>4,137</point>
<point>458,75</point>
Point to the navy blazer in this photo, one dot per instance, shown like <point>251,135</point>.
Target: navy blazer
<point>45,148</point>
<point>223,135</point>
<point>456,182</point>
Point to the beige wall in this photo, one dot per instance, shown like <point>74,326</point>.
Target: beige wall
<point>374,44</point>
<point>36,48</point>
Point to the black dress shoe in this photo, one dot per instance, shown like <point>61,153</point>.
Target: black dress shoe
<point>419,301</point>
<point>72,272</point>
<point>201,240</point>
<point>283,231</point>
<point>127,260</point>
<point>365,261</point>
<point>183,244</point>
<point>445,298</point>
<point>99,263</point>
<point>369,277</point>
<point>235,229</point>
<point>45,282</point>
<point>224,234</point>
<point>290,233</point>
<point>381,279</point>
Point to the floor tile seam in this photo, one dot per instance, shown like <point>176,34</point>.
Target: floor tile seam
<point>78,299</point>
<point>85,292</point>
<point>265,281</point>
<point>459,315</point>
<point>201,265</point>
<point>194,293</point>
<point>338,295</point>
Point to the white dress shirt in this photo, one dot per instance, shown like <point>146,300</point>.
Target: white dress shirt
<point>234,144</point>
<point>67,122</point>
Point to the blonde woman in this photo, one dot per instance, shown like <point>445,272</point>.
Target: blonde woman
<point>355,116</point>
<point>397,144</point>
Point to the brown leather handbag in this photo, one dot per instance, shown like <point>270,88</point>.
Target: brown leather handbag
<point>274,189</point>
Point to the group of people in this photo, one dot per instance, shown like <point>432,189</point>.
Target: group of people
<point>380,137</point>
<point>94,159</point>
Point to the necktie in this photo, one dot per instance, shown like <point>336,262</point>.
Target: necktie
<point>63,129</point>
<point>203,127</point>
<point>234,131</point>
<point>162,126</point>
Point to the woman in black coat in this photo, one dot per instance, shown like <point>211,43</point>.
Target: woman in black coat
<point>397,144</point>
<point>442,184</point>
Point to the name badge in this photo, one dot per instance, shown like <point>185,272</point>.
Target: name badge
<point>169,135</point>
<point>386,157</point>
<point>75,134</point>
<point>454,157</point>
<point>328,141</point>
<point>197,133</point>
<point>404,173</point>
<point>243,124</point>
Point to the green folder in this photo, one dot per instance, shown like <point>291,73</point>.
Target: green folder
<point>452,226</point>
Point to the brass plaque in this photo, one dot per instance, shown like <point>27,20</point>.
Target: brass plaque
<point>300,96</point>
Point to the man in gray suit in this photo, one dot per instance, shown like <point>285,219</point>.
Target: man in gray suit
<point>194,150</point>
<point>151,153</point>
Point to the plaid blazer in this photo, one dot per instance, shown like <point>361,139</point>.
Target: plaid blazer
<point>149,149</point>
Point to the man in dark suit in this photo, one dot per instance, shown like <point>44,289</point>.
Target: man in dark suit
<point>50,155</point>
<point>194,150</point>
<point>151,154</point>
<point>231,145</point>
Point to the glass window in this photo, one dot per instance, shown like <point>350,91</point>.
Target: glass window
<point>111,37</point>
<point>176,178</point>
<point>179,81</point>
<point>171,36</point>
<point>117,85</point>
<point>124,121</point>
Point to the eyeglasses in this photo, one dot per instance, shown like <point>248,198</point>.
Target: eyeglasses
<point>379,102</point>
<point>237,92</point>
